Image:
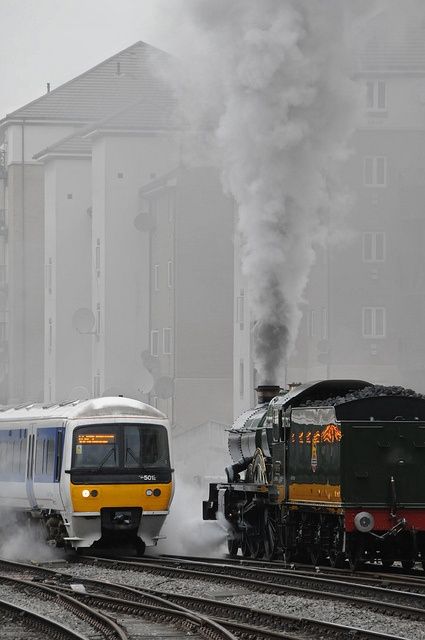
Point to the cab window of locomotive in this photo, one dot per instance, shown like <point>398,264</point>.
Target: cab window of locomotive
<point>95,447</point>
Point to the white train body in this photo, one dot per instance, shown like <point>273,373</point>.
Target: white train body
<point>91,472</point>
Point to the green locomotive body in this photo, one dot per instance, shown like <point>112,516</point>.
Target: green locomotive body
<point>330,470</point>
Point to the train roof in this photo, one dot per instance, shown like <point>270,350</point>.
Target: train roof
<point>319,390</point>
<point>111,407</point>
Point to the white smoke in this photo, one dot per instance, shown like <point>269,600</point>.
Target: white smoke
<point>270,80</point>
<point>185,530</point>
<point>19,541</point>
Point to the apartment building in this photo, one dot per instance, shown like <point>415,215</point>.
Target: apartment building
<point>74,161</point>
<point>190,358</point>
<point>364,311</point>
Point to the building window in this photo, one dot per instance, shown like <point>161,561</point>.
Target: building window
<point>98,257</point>
<point>155,402</point>
<point>170,274</point>
<point>312,329</point>
<point>374,322</point>
<point>241,379</point>
<point>156,277</point>
<point>120,175</point>
<point>69,196</point>
<point>374,246</point>
<point>376,95</point>
<point>167,341</point>
<point>240,309</point>
<point>98,318</point>
<point>375,171</point>
<point>154,343</point>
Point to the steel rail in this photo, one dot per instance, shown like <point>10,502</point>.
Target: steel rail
<point>35,622</point>
<point>267,623</point>
<point>101,623</point>
<point>312,585</point>
<point>203,625</point>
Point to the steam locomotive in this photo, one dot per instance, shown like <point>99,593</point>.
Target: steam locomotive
<point>328,471</point>
<point>90,473</point>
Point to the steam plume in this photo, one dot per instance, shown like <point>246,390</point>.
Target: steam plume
<point>270,80</point>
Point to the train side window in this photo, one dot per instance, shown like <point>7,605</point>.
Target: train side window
<point>38,467</point>
<point>277,424</point>
<point>50,455</point>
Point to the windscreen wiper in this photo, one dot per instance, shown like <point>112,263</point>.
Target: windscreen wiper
<point>105,459</point>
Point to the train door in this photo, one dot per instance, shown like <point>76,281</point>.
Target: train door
<point>30,468</point>
<point>48,442</point>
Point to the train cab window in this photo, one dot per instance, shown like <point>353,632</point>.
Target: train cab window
<point>145,445</point>
<point>95,447</point>
<point>130,446</point>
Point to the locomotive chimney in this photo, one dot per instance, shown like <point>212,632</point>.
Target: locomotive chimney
<point>266,392</point>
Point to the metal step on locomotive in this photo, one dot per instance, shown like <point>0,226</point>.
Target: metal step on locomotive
<point>328,471</point>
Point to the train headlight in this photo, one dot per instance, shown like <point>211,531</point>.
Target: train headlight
<point>85,493</point>
<point>149,492</point>
<point>157,492</point>
<point>364,521</point>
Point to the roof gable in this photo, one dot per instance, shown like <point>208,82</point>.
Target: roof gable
<point>105,89</point>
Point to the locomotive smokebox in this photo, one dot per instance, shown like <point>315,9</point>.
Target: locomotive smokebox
<point>266,392</point>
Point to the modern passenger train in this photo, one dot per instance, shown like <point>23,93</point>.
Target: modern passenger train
<point>91,473</point>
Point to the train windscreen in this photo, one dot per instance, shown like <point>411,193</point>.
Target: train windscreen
<point>119,449</point>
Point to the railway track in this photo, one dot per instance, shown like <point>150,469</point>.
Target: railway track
<point>16,620</point>
<point>380,599</point>
<point>238,621</point>
<point>46,584</point>
<point>412,581</point>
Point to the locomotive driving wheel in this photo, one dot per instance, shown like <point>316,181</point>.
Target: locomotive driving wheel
<point>270,535</point>
<point>233,547</point>
<point>336,554</point>
<point>256,547</point>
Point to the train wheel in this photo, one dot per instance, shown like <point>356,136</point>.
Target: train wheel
<point>140,547</point>
<point>336,554</point>
<point>256,547</point>
<point>245,547</point>
<point>387,562</point>
<point>288,556</point>
<point>316,556</point>
<point>354,559</point>
<point>233,547</point>
<point>336,559</point>
<point>270,536</point>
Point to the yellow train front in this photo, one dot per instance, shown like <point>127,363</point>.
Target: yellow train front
<point>95,473</point>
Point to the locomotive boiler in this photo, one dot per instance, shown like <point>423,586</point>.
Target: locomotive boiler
<point>331,470</point>
<point>86,473</point>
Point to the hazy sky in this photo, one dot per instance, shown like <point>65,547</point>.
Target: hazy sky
<point>55,40</point>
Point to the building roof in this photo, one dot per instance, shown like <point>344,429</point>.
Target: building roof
<point>383,48</point>
<point>153,113</point>
<point>107,88</point>
<point>73,145</point>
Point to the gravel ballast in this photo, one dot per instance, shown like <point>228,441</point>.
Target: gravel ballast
<point>318,609</point>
